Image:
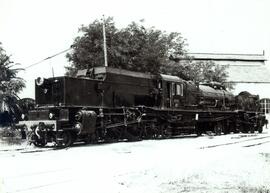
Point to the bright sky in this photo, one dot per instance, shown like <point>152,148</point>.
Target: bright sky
<point>31,30</point>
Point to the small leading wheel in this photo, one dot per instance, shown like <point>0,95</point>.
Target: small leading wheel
<point>64,139</point>
<point>166,131</point>
<point>90,138</point>
<point>39,143</point>
<point>218,128</point>
<point>199,132</point>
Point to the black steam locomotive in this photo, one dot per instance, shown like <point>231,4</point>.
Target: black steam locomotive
<point>108,104</point>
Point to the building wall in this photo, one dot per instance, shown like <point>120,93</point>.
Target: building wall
<point>237,63</point>
<point>247,72</point>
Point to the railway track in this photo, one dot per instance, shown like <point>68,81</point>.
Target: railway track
<point>33,188</point>
<point>40,185</point>
<point>30,149</point>
<point>255,144</point>
<point>242,141</point>
<point>33,177</point>
<point>25,150</point>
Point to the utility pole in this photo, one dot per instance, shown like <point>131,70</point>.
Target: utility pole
<point>104,43</point>
<point>52,68</point>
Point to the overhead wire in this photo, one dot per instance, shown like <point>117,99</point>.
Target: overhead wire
<point>50,57</point>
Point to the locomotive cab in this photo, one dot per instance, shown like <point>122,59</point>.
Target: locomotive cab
<point>172,88</point>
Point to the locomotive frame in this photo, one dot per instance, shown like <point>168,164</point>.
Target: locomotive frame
<point>108,104</point>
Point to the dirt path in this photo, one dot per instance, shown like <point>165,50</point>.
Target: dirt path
<point>228,163</point>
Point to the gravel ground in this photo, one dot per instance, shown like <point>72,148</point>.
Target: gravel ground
<point>229,163</point>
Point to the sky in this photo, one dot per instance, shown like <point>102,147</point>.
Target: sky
<point>31,30</point>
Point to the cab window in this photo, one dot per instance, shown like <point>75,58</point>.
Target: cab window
<point>178,89</point>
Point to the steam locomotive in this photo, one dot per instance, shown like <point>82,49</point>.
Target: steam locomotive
<point>109,104</point>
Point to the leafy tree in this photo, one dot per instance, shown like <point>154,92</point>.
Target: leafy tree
<point>10,85</point>
<point>140,49</point>
<point>88,48</point>
<point>9,82</point>
<point>198,71</point>
<point>134,48</point>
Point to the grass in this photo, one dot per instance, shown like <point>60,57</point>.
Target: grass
<point>259,189</point>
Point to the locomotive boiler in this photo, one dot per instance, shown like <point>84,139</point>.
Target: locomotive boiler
<point>108,104</point>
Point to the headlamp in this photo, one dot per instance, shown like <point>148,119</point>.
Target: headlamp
<point>39,81</point>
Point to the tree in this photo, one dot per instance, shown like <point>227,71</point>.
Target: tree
<point>197,71</point>
<point>10,85</point>
<point>134,48</point>
<point>9,82</point>
<point>140,49</point>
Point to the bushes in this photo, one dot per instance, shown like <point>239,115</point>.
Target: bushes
<point>10,136</point>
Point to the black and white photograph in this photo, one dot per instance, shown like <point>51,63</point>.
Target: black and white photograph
<point>134,96</point>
